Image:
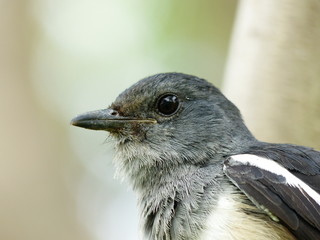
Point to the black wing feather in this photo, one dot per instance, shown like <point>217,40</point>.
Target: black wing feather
<point>259,192</point>
<point>290,204</point>
<point>296,158</point>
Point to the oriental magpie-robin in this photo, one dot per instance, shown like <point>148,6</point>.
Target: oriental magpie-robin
<point>200,173</point>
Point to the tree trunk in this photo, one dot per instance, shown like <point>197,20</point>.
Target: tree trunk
<point>273,72</point>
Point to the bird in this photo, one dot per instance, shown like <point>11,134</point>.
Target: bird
<point>198,171</point>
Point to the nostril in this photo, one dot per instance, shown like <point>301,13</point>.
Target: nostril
<point>114,113</point>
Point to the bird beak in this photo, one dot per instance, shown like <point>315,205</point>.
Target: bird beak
<point>106,119</point>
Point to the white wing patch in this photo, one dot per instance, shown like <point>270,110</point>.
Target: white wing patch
<point>275,168</point>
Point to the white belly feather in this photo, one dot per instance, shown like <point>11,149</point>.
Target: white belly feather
<point>228,222</point>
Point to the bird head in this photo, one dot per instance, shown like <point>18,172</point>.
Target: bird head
<point>170,119</point>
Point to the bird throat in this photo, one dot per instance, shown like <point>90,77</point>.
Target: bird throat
<point>173,199</point>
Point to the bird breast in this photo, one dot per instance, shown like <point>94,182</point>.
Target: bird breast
<point>229,221</point>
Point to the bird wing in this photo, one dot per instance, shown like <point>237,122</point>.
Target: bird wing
<point>275,189</point>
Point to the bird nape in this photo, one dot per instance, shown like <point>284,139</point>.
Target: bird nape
<point>199,172</point>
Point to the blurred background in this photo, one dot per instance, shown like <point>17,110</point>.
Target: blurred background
<point>64,57</point>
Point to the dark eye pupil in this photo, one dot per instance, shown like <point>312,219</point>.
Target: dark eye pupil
<point>168,104</point>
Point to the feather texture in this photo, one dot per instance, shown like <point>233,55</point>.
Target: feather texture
<point>283,195</point>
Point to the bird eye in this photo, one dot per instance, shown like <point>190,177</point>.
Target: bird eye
<point>168,104</point>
